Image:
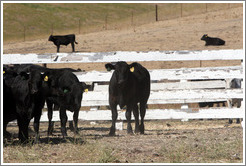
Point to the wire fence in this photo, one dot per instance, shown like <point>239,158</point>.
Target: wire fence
<point>158,12</point>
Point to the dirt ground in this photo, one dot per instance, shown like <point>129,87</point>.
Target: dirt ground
<point>169,141</point>
<point>164,141</point>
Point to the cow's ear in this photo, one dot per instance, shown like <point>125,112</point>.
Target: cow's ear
<point>132,67</point>
<point>84,87</point>
<point>45,76</point>
<point>24,75</point>
<point>109,66</point>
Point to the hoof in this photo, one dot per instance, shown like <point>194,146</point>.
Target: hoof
<point>111,134</point>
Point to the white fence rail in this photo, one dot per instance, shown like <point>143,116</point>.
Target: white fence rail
<point>217,84</point>
<point>172,74</point>
<point>129,56</point>
<point>170,96</point>
<point>156,114</point>
<point>182,91</point>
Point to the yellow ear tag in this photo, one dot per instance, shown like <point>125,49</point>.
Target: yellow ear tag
<point>86,90</point>
<point>3,72</point>
<point>46,78</point>
<point>132,69</point>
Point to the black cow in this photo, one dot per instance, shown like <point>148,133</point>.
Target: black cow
<point>129,85</point>
<point>212,41</point>
<point>28,96</point>
<point>9,106</point>
<point>235,83</point>
<point>64,92</point>
<point>69,92</point>
<point>63,40</point>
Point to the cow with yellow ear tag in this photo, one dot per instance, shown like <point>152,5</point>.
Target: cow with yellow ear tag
<point>129,86</point>
<point>46,78</point>
<point>132,69</point>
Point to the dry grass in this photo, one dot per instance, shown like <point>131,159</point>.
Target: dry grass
<point>166,141</point>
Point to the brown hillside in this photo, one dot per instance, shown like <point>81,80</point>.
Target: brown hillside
<point>176,34</point>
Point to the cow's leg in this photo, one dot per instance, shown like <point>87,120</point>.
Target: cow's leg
<point>239,102</point>
<point>75,120</point>
<point>58,48</point>
<point>63,118</point>
<point>72,43</point>
<point>113,106</point>
<point>128,118</point>
<point>142,114</point>
<point>5,132</point>
<point>230,121</point>
<point>36,126</point>
<point>23,124</point>
<point>50,114</point>
<point>238,120</point>
<point>136,115</point>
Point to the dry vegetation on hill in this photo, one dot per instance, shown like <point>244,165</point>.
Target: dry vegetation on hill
<point>182,33</point>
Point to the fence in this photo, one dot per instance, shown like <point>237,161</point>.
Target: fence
<point>168,86</point>
<point>81,23</point>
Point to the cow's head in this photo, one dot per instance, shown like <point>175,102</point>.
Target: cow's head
<point>34,79</point>
<point>51,38</point>
<point>84,87</point>
<point>122,71</point>
<point>50,84</point>
<point>204,37</point>
<point>9,75</point>
<point>236,83</point>
<point>9,72</point>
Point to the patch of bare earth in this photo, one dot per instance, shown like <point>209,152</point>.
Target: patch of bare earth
<point>164,141</point>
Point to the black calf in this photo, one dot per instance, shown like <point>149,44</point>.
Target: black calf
<point>212,41</point>
<point>67,95</point>
<point>63,40</point>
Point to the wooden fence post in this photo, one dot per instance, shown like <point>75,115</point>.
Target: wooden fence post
<point>79,25</point>
<point>132,19</point>
<point>181,9</point>
<point>24,33</point>
<point>106,22</point>
<point>52,28</point>
<point>156,12</point>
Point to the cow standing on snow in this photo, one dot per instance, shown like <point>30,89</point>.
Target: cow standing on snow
<point>129,85</point>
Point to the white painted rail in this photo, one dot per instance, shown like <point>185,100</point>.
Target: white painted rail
<point>129,56</point>
<point>172,74</point>
<point>217,84</point>
<point>94,98</point>
<point>155,114</point>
